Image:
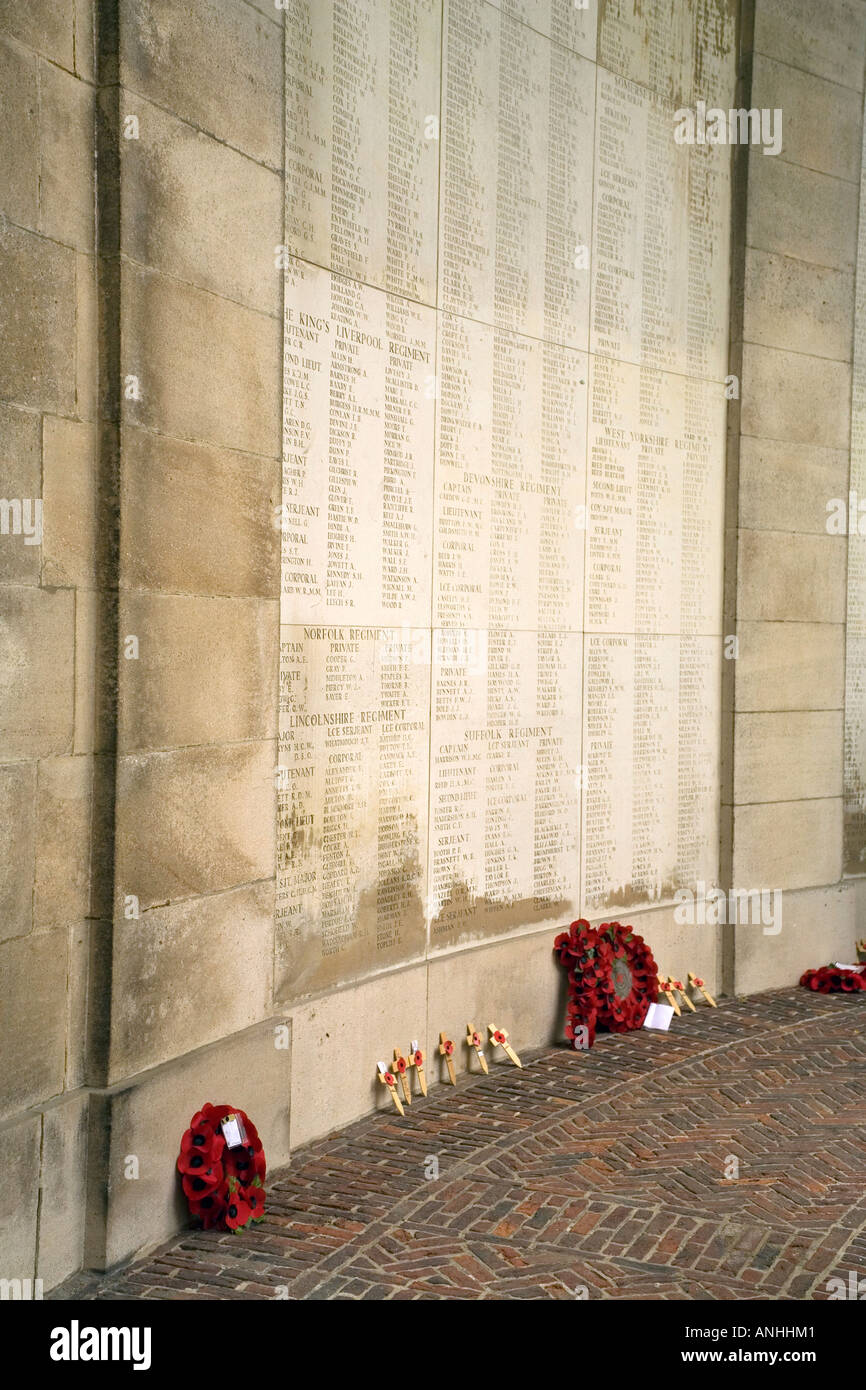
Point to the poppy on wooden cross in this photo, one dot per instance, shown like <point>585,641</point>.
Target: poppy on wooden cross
<point>389,1079</point>
<point>401,1067</point>
<point>680,988</point>
<point>665,985</point>
<point>416,1060</point>
<point>446,1050</point>
<point>499,1038</point>
<point>697,983</point>
<point>475,1040</point>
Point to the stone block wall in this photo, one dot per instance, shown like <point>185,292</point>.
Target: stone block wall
<point>140,397</point>
<point>49,596</point>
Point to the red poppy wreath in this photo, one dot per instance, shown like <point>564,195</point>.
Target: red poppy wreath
<point>612,979</point>
<point>830,979</point>
<point>223,1168</point>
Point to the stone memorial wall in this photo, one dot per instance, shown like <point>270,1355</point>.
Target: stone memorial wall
<point>505,345</point>
<point>456,247</point>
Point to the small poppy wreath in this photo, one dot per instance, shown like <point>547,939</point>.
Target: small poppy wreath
<point>612,978</point>
<point>829,979</point>
<point>223,1187</point>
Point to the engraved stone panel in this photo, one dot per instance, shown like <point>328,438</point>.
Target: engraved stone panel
<point>509,479</point>
<point>516,179</point>
<point>651,42</point>
<point>352,801</point>
<point>362,149</point>
<point>506,308</point>
<point>504,786</point>
<point>640,231</point>
<point>651,739</point>
<point>572,23</point>
<point>358,451</point>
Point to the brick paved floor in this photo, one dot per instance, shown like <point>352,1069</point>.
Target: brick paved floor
<point>602,1171</point>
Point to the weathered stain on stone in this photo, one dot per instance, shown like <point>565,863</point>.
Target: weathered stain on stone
<point>305,965</point>
<point>466,916</point>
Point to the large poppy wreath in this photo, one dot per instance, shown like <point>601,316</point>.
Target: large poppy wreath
<point>223,1187</point>
<point>830,979</point>
<point>612,979</point>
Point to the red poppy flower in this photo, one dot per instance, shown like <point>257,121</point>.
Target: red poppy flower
<point>390,1078</point>
<point>580,1027</point>
<point>238,1210</point>
<point>210,1209</point>
<point>198,1134</point>
<point>195,1161</point>
<point>572,942</point>
<point>254,1196</point>
<point>198,1185</point>
<point>400,1064</point>
<point>203,1141</point>
<point>212,1114</point>
<point>203,1117</point>
<point>418,1058</point>
<point>699,982</point>
<point>241,1163</point>
<point>476,1039</point>
<point>498,1037</point>
<point>449,1047</point>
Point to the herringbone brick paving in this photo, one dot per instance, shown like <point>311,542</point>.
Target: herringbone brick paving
<point>602,1174</point>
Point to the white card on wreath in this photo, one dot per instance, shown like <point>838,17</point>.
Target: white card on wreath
<point>232,1132</point>
<point>659,1016</point>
